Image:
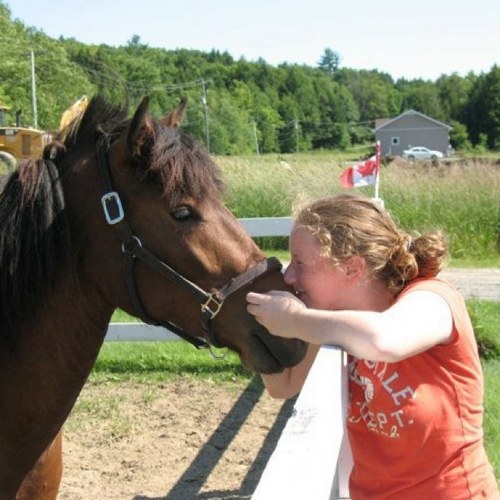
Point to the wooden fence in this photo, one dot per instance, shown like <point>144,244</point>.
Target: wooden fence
<point>312,459</point>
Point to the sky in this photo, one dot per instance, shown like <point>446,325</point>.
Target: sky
<point>423,39</point>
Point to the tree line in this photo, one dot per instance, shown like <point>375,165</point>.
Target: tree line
<point>238,106</point>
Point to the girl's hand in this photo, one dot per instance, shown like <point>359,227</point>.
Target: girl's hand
<point>276,310</point>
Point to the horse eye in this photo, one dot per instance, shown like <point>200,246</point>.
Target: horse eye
<point>181,213</point>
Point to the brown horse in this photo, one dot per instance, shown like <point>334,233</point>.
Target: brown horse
<point>118,213</point>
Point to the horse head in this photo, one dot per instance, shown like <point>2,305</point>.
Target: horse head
<point>156,220</point>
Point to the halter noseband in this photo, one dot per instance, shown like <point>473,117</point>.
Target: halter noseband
<point>210,302</point>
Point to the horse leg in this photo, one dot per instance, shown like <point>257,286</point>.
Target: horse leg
<point>42,482</point>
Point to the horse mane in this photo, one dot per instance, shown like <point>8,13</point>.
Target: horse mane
<point>35,238</point>
<point>180,165</point>
<point>100,121</point>
<point>34,241</point>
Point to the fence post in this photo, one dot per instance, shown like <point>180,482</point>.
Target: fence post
<point>305,461</point>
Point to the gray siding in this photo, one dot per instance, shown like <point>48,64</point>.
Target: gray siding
<point>412,129</point>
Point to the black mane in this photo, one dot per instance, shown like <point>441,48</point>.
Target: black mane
<point>34,241</point>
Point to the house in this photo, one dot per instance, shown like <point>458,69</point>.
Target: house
<point>412,129</point>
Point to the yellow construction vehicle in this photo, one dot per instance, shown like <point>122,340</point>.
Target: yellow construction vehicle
<point>19,143</point>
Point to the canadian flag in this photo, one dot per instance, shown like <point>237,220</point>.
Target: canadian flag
<point>364,173</point>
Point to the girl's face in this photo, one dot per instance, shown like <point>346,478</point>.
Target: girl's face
<point>315,280</point>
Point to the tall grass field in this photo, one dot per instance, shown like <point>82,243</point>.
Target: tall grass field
<point>460,196</point>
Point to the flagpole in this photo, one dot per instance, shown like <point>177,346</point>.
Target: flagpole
<point>377,177</point>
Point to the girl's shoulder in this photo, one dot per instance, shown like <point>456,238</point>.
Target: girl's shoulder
<point>462,325</point>
<point>438,285</point>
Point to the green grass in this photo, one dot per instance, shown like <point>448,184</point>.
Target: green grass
<point>485,316</point>
<point>492,413</point>
<point>482,263</point>
<point>120,316</point>
<point>165,360</point>
<point>160,361</point>
<point>459,197</point>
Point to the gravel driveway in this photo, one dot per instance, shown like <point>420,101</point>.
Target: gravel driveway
<point>475,283</point>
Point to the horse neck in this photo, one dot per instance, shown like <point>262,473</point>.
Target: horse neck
<point>70,326</point>
<point>43,377</point>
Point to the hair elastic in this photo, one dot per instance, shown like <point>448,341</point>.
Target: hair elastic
<point>408,245</point>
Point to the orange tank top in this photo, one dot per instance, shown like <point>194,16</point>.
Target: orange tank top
<point>415,426</point>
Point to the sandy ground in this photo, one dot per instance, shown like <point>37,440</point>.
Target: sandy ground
<point>177,440</point>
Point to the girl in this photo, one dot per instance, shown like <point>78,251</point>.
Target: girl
<point>415,380</point>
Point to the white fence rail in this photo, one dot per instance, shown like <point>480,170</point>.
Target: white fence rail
<point>268,226</point>
<point>312,459</point>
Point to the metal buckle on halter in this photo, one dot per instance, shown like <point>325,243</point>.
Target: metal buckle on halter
<point>212,299</point>
<point>113,208</point>
<point>130,245</point>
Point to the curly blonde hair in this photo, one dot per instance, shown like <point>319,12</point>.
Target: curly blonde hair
<point>349,225</point>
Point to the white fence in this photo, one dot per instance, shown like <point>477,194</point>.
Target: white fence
<point>312,459</point>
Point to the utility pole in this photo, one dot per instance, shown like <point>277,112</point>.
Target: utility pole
<point>205,105</point>
<point>256,138</point>
<point>296,135</point>
<point>33,90</point>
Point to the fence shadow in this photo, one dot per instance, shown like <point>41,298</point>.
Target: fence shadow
<point>189,484</point>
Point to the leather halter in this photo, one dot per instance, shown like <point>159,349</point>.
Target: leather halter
<point>210,302</point>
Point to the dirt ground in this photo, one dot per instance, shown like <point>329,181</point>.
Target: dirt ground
<point>177,440</point>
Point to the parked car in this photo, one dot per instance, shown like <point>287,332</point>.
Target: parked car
<point>421,153</point>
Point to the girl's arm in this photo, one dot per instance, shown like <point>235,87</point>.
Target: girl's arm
<point>417,322</point>
<point>289,382</point>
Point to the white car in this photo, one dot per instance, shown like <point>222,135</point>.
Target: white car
<point>421,153</point>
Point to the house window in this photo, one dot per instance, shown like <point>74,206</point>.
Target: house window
<point>394,141</point>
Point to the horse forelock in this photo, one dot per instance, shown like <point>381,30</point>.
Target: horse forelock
<point>184,166</point>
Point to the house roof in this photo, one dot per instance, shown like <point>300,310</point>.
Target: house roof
<point>384,124</point>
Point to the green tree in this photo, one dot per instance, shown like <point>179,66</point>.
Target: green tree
<point>458,136</point>
<point>421,96</point>
<point>58,82</point>
<point>482,113</point>
<point>231,129</point>
<point>268,123</point>
<point>374,94</point>
<point>284,108</point>
<point>453,91</point>
<point>329,61</point>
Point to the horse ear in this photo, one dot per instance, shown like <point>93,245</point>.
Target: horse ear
<point>141,130</point>
<point>176,117</point>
